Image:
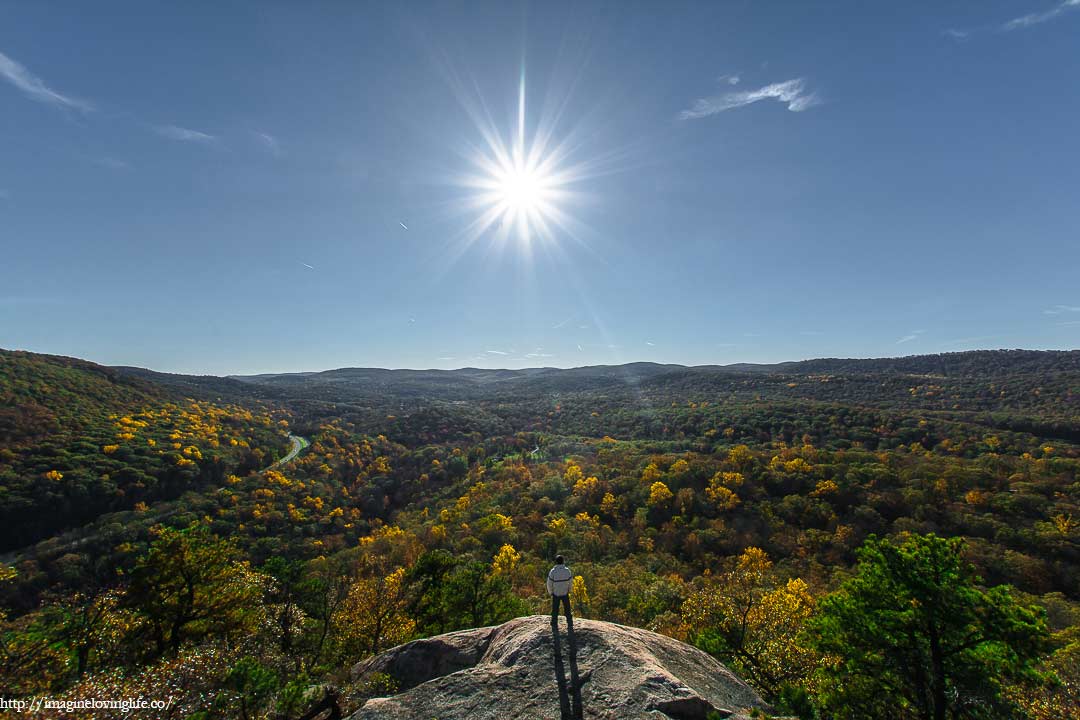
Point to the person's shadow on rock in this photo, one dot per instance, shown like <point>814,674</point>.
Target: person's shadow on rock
<point>569,697</point>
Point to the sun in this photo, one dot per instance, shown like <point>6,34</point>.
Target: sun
<point>522,190</point>
<point>521,185</point>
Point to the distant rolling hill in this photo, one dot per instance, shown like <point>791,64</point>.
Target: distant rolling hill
<point>1025,390</point>
<point>958,369</point>
<point>1035,391</point>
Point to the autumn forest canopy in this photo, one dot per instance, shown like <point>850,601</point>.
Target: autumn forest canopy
<point>885,538</point>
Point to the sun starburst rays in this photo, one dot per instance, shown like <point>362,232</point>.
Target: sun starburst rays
<point>520,189</point>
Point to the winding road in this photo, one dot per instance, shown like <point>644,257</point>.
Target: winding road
<point>298,444</point>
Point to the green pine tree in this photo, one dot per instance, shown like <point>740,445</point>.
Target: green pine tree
<point>913,635</point>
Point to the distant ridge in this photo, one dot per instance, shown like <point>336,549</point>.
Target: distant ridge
<point>945,363</point>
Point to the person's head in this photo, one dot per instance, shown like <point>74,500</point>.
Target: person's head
<point>560,560</point>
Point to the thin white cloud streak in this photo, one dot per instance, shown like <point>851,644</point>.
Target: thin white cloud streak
<point>269,142</point>
<point>496,352</point>
<point>175,132</point>
<point>556,326</point>
<point>914,335</point>
<point>1026,21</point>
<point>793,93</point>
<point>1061,309</point>
<point>35,88</point>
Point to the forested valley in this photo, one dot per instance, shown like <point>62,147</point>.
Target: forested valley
<point>855,538</point>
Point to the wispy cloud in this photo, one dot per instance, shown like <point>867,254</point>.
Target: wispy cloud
<point>496,352</point>
<point>1025,21</point>
<point>792,93</point>
<point>35,88</point>
<point>913,335</point>
<point>956,34</point>
<point>732,79</point>
<point>268,142</point>
<point>1061,310</point>
<point>175,132</point>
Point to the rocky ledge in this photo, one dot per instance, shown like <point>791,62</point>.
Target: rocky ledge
<point>513,671</point>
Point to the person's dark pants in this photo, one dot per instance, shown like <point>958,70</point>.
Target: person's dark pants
<point>565,600</point>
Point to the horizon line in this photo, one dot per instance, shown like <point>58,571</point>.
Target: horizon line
<point>536,367</point>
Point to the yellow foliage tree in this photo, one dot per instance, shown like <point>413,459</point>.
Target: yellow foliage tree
<point>659,494</point>
<point>753,623</point>
<point>374,615</point>
<point>740,456</point>
<point>505,561</point>
<point>721,497</point>
<point>573,474</point>
<point>579,596</point>
<point>586,487</point>
<point>608,505</point>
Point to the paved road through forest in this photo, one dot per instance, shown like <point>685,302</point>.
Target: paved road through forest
<point>298,444</point>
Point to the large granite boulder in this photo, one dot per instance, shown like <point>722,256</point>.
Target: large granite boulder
<point>513,671</point>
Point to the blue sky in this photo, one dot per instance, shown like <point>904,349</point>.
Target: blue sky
<point>255,187</point>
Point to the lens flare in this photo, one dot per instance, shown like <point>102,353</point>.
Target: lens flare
<point>520,186</point>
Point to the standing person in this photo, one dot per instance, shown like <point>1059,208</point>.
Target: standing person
<point>559,580</point>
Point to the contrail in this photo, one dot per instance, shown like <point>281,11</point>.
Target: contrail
<point>403,225</point>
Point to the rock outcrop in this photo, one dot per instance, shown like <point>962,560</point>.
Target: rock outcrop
<point>513,671</point>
